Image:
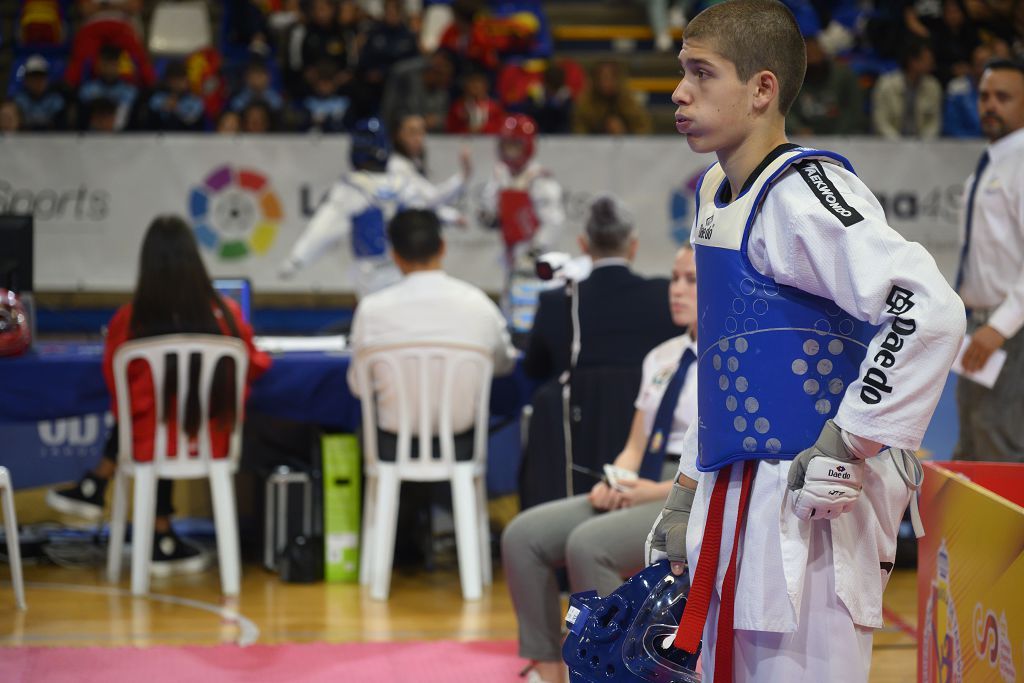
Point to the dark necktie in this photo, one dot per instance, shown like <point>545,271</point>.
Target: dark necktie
<point>982,163</point>
<point>654,454</point>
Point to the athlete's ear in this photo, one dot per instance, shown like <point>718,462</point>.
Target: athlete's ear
<point>765,90</point>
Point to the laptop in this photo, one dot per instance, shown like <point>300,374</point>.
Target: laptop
<point>239,290</point>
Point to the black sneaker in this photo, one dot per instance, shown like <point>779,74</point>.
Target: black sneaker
<point>84,499</point>
<point>171,556</point>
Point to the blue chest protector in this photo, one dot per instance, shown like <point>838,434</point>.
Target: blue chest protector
<point>368,236</point>
<point>773,361</point>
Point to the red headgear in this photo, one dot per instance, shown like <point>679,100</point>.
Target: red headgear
<point>520,129</point>
<point>15,335</point>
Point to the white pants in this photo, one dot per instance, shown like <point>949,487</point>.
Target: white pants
<point>827,647</point>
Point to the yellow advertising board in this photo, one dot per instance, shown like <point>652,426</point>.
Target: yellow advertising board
<point>970,576</point>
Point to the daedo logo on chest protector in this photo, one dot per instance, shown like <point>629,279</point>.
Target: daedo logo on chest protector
<point>876,382</point>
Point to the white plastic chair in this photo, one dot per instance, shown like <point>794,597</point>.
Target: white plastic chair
<point>423,375</point>
<point>11,532</point>
<point>156,351</point>
<point>178,28</point>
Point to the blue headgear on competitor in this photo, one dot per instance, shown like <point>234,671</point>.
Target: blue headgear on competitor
<point>371,145</point>
<point>627,636</point>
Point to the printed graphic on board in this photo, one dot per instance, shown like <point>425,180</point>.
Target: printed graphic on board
<point>236,212</point>
<point>941,661</point>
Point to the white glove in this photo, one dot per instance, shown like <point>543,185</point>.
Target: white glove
<point>287,270</point>
<point>826,477</point>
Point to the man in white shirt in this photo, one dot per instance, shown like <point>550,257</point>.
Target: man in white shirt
<point>991,275</point>
<point>427,305</point>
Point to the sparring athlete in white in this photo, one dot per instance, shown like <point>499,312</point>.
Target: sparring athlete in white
<point>358,207</point>
<point>524,201</point>
<point>823,286</point>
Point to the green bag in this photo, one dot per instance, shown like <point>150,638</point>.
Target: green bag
<point>342,484</point>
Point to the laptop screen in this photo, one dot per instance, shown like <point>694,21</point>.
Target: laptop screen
<point>237,289</point>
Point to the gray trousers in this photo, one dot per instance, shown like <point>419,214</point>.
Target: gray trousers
<point>598,550</point>
<point>992,420</point>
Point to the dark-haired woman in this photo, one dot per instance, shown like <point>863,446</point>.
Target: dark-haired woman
<point>173,295</point>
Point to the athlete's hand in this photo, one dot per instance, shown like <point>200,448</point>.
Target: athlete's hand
<point>826,477</point>
<point>287,270</point>
<point>984,343</point>
<point>669,534</point>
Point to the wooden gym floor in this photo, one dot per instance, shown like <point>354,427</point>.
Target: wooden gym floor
<point>75,607</point>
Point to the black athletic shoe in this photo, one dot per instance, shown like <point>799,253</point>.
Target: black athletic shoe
<point>84,499</point>
<point>171,556</point>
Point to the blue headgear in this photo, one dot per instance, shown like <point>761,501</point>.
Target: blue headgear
<point>371,145</point>
<point>627,636</point>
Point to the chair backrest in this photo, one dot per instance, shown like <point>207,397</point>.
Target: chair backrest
<point>179,28</point>
<point>206,349</point>
<point>422,377</point>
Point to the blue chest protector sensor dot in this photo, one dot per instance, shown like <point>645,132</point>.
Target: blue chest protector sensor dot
<point>626,637</point>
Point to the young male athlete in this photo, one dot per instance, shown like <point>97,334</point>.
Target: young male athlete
<point>823,336</point>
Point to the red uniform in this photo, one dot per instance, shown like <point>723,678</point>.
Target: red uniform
<point>141,384</point>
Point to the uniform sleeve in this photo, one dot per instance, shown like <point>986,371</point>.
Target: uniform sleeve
<point>688,453</point>
<point>874,275</point>
<point>546,194</point>
<point>1008,317</point>
<point>118,332</point>
<point>330,224</point>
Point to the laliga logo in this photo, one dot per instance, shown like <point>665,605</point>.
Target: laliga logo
<point>235,212</point>
<point>992,642</point>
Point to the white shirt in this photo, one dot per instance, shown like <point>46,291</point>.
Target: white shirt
<point>429,306</point>
<point>796,241</point>
<point>544,191</point>
<point>659,365</point>
<point>994,272</point>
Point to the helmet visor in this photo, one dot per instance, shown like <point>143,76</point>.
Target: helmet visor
<point>647,649</point>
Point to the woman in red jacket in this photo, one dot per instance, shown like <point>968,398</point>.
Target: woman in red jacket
<point>173,295</point>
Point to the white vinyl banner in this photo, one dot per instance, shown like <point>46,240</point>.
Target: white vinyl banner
<point>249,198</point>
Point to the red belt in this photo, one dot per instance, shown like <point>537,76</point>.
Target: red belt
<point>695,614</point>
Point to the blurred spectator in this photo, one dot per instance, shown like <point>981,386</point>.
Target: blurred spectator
<point>43,105</point>
<point>257,88</point>
<point>110,25</point>
<point>422,86</point>
<point>468,37</point>
<point>960,118</point>
<point>551,105</point>
<point>922,17</point>
<point>476,111</point>
<point>663,18</point>
<point>174,107</point>
<point>908,102</point>
<point>608,106</point>
<point>10,117</point>
<point>329,32</point>
<point>248,27</point>
<point>256,117</point>
<point>229,123</point>
<point>388,42</point>
<point>830,101</point>
<point>324,109</point>
<point>953,40</point>
<point>108,85</point>
<point>103,116</point>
